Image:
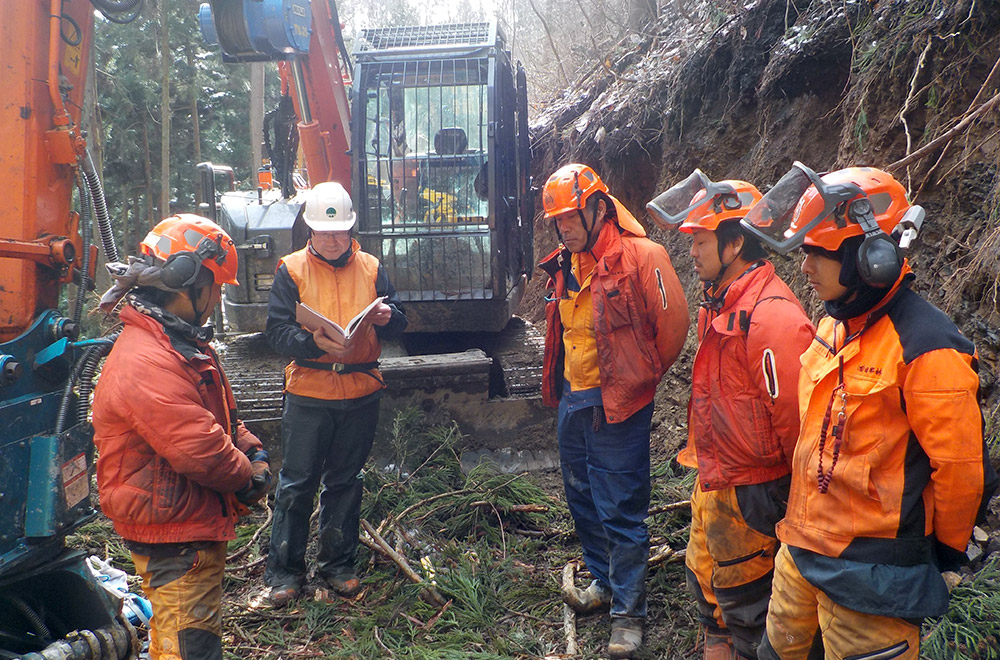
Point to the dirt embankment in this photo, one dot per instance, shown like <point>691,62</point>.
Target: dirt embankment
<point>827,83</point>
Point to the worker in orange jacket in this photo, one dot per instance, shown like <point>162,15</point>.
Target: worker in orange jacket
<point>891,470</point>
<point>743,413</point>
<point>616,320</point>
<point>175,466</point>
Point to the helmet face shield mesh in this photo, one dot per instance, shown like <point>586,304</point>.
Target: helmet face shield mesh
<point>777,219</point>
<point>673,206</point>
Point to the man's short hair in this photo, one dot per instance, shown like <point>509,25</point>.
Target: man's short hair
<point>730,230</point>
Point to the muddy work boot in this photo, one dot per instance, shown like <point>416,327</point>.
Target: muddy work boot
<point>283,595</point>
<point>626,637</point>
<point>595,598</point>
<point>719,646</point>
<point>347,585</point>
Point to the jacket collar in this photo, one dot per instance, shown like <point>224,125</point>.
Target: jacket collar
<point>189,341</point>
<point>742,293</point>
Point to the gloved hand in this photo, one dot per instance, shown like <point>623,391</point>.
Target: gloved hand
<point>260,479</point>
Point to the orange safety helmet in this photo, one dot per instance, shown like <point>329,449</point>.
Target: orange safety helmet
<point>723,206</point>
<point>186,242</point>
<point>886,195</point>
<point>568,189</point>
<point>824,211</point>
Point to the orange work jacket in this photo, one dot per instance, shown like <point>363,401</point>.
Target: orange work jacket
<point>339,294</point>
<point>640,318</point>
<point>912,472</point>
<point>171,452</point>
<point>743,416</point>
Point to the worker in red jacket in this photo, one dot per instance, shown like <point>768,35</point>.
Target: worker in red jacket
<point>175,465</point>
<point>743,415</point>
<point>891,471</point>
<point>616,320</point>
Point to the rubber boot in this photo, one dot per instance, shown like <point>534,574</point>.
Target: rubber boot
<point>626,637</point>
<point>595,598</point>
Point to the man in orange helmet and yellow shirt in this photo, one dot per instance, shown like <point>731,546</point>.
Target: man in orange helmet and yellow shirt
<point>743,414</point>
<point>890,471</point>
<point>616,320</point>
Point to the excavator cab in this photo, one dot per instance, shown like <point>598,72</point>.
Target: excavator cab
<point>439,137</point>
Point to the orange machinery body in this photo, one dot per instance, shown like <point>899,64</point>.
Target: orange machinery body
<point>326,139</point>
<point>38,151</point>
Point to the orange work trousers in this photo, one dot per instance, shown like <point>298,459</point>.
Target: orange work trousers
<point>730,559</point>
<point>800,614</point>
<point>184,587</point>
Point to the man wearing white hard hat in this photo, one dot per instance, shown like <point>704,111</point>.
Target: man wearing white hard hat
<point>332,391</point>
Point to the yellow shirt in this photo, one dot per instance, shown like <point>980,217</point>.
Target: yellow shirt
<point>579,341</point>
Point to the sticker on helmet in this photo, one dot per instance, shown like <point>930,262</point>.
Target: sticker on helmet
<point>331,211</point>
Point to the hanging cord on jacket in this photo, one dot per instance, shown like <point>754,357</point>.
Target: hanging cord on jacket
<point>824,478</point>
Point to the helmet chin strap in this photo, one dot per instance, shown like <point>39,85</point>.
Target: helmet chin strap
<point>200,316</point>
<point>723,267</point>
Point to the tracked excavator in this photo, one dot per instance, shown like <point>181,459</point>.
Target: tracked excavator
<point>427,126</point>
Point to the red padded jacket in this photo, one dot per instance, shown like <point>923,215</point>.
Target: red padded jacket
<point>171,451</point>
<point>743,417</point>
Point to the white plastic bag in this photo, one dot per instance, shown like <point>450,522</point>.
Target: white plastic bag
<point>115,580</point>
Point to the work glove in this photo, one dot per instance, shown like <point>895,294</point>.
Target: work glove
<point>260,479</point>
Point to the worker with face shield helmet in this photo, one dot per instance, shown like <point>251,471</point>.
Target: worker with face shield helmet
<point>890,472</point>
<point>743,412</point>
<point>175,467</point>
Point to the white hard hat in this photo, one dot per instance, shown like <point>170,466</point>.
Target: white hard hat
<point>328,207</point>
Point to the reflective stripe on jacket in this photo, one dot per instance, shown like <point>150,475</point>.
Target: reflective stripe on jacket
<point>912,473</point>
<point>163,426</point>
<point>743,417</point>
<point>640,318</point>
<point>338,293</point>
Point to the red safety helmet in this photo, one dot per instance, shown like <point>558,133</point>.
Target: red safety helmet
<point>568,189</point>
<point>186,242</point>
<point>823,212</point>
<point>886,195</point>
<point>697,201</point>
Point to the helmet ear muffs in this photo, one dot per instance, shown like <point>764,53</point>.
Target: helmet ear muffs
<point>180,270</point>
<point>880,261</point>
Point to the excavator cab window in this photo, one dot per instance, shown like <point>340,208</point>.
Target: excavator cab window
<point>437,184</point>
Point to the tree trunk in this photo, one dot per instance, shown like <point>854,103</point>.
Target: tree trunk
<point>195,122</point>
<point>126,233</point>
<point>148,172</point>
<point>256,112</point>
<point>164,110</point>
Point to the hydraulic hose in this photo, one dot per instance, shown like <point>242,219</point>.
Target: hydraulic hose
<point>31,616</point>
<point>121,12</point>
<point>100,202</point>
<point>88,368</point>
<point>116,641</point>
<point>86,215</point>
<point>116,6</point>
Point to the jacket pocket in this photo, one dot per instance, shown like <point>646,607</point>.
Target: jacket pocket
<point>619,306</point>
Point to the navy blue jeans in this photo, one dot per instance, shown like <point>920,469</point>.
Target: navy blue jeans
<point>322,446</point>
<point>606,475</point>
